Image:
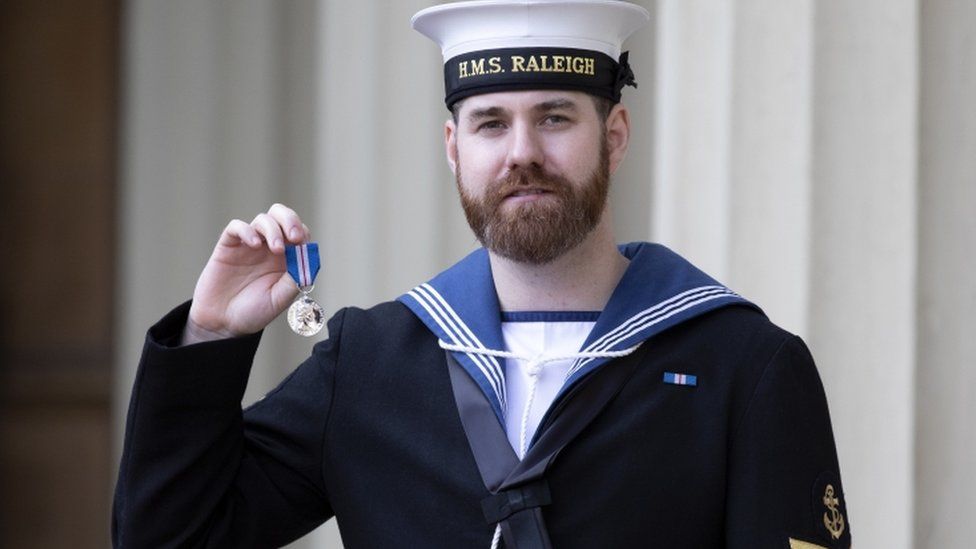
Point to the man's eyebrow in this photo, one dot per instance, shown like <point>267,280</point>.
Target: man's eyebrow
<point>487,112</point>
<point>546,106</point>
<point>560,104</point>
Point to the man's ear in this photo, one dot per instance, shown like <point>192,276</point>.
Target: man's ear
<point>618,134</point>
<point>450,144</point>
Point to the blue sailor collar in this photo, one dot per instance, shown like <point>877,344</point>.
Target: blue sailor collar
<point>659,289</point>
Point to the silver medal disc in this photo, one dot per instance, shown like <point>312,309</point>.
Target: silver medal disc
<point>305,316</point>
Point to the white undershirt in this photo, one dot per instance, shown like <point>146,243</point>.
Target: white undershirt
<point>533,339</point>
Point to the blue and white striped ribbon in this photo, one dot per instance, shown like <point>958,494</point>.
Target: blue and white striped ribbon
<point>303,263</point>
<point>680,379</point>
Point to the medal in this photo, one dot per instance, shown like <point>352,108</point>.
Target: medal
<point>305,316</point>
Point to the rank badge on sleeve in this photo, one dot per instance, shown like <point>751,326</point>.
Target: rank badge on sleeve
<point>830,511</point>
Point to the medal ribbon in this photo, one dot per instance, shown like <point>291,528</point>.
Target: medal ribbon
<point>303,263</point>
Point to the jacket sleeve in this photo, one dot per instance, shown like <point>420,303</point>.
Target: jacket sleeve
<point>196,470</point>
<point>784,488</point>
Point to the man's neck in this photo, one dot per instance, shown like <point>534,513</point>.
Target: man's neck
<point>580,280</point>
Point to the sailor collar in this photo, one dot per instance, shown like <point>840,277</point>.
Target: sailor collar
<point>659,290</point>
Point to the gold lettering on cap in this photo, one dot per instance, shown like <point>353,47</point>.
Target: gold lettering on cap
<point>479,67</point>
<point>556,63</point>
<point>573,64</point>
<point>495,65</point>
<point>518,63</point>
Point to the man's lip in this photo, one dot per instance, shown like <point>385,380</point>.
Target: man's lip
<point>532,191</point>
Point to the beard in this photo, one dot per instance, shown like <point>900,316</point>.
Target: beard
<point>538,231</point>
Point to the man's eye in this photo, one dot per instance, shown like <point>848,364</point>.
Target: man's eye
<point>555,119</point>
<point>491,125</point>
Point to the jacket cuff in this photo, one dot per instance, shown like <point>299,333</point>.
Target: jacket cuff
<point>209,373</point>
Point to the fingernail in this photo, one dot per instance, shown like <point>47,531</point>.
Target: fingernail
<point>295,233</point>
<point>277,243</point>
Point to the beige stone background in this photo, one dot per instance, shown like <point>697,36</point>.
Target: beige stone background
<point>818,156</point>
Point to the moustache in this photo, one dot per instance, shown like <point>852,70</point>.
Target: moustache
<point>522,179</point>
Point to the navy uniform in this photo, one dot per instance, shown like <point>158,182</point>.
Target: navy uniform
<point>685,420</point>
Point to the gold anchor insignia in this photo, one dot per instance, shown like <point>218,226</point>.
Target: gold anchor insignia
<point>834,522</point>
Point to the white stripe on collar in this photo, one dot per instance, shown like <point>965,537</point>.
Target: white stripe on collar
<point>653,315</point>
<point>455,328</point>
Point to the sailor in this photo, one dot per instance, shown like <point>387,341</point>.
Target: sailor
<point>551,389</point>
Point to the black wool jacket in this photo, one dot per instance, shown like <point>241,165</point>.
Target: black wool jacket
<point>367,430</point>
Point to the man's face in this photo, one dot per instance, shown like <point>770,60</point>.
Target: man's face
<point>532,169</point>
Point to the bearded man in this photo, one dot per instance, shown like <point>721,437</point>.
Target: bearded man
<point>552,389</point>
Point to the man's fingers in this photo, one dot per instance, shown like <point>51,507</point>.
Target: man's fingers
<point>238,231</point>
<point>278,227</point>
<point>291,225</point>
<point>269,229</point>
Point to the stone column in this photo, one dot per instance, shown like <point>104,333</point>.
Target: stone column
<point>862,281</point>
<point>693,94</point>
<point>388,207</point>
<point>945,444</point>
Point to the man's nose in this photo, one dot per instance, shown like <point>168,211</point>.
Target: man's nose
<point>525,148</point>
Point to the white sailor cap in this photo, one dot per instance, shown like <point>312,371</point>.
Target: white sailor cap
<point>502,45</point>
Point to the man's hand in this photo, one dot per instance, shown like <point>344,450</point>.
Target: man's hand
<point>245,284</point>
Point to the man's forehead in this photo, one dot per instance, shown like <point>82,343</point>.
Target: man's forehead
<point>517,101</point>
